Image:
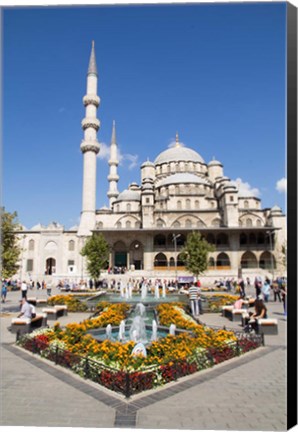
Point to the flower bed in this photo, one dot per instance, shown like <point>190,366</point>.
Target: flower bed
<point>216,301</point>
<point>73,304</point>
<point>111,363</point>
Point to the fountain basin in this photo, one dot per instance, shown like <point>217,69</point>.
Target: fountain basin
<point>137,298</point>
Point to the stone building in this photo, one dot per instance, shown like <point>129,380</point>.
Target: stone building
<point>147,224</point>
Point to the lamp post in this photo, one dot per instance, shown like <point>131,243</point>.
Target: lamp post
<point>175,236</point>
<point>22,257</point>
<point>270,233</point>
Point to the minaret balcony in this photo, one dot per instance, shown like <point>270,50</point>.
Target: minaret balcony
<point>91,100</point>
<point>112,194</point>
<point>90,123</point>
<point>90,146</point>
<point>113,177</point>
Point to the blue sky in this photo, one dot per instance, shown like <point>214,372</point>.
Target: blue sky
<point>214,73</point>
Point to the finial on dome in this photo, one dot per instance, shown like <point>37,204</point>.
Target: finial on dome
<point>92,69</point>
<point>177,140</point>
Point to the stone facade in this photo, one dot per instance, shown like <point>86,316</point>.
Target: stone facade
<point>146,225</point>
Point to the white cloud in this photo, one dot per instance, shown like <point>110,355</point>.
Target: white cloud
<point>281,185</point>
<point>245,190</point>
<point>126,159</point>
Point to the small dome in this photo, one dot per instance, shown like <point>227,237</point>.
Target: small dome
<point>182,178</point>
<point>276,209</point>
<point>147,164</point>
<point>177,154</point>
<point>129,195</point>
<point>214,163</point>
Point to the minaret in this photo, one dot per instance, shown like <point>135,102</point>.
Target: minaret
<point>90,148</point>
<point>113,162</point>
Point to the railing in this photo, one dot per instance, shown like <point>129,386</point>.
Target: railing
<point>129,382</point>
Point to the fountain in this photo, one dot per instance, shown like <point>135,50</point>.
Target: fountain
<point>137,331</point>
<point>154,331</point>
<point>121,335</point>
<point>121,290</point>
<point>172,329</point>
<point>157,291</point>
<point>144,291</point>
<point>141,309</point>
<point>109,332</point>
<point>163,290</point>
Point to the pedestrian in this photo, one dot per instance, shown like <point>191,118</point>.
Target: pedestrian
<point>276,290</point>
<point>193,293</point>
<point>24,289</point>
<point>258,286</point>
<point>26,311</point>
<point>283,292</point>
<point>3,291</point>
<point>242,288</point>
<point>49,290</point>
<point>266,291</point>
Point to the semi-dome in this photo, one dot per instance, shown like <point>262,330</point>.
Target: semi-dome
<point>183,178</point>
<point>129,195</point>
<point>214,162</point>
<point>177,154</point>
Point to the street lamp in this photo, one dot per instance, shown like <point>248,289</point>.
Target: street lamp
<point>175,236</point>
<point>22,257</point>
<point>270,233</point>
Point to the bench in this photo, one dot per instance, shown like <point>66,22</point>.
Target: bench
<point>267,326</point>
<point>55,312</point>
<point>226,311</point>
<point>26,325</point>
<point>237,314</point>
<point>41,302</point>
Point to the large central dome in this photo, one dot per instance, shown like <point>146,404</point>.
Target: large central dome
<point>178,153</point>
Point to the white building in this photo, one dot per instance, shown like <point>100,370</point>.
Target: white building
<point>147,224</point>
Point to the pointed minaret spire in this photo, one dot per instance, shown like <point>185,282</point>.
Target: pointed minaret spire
<point>92,69</point>
<point>89,147</point>
<point>113,162</point>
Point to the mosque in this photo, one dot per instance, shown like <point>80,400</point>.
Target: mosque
<point>146,225</point>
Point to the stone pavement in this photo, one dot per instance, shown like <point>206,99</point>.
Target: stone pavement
<point>245,393</point>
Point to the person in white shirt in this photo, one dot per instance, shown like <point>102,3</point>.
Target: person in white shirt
<point>26,311</point>
<point>193,293</point>
<point>24,289</point>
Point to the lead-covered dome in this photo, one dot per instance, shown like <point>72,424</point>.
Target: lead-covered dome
<point>177,154</point>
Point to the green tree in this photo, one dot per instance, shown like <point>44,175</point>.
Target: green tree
<point>96,250</point>
<point>10,249</point>
<point>195,253</point>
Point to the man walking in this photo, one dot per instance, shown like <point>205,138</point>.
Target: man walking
<point>193,293</point>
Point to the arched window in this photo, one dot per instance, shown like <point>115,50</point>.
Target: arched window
<point>128,207</point>
<point>118,225</point>
<point>246,204</point>
<point>176,224</point>
<point>137,224</point>
<point>71,245</point>
<point>172,262</point>
<point>259,223</point>
<point>222,239</point>
<point>267,261</point>
<point>127,224</point>
<point>188,223</point>
<point>159,240</point>
<point>187,204</point>
<point>179,205</point>
<point>249,260</point>
<point>243,239</point>
<point>31,245</point>
<point>180,262</point>
<point>211,262</point>
<point>252,239</point>
<point>248,222</point>
<point>210,238</point>
<point>160,260</point>
<point>160,223</point>
<point>215,222</point>
<point>223,260</point>
<point>197,204</point>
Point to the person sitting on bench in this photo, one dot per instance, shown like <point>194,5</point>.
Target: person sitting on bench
<point>26,311</point>
<point>260,312</point>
